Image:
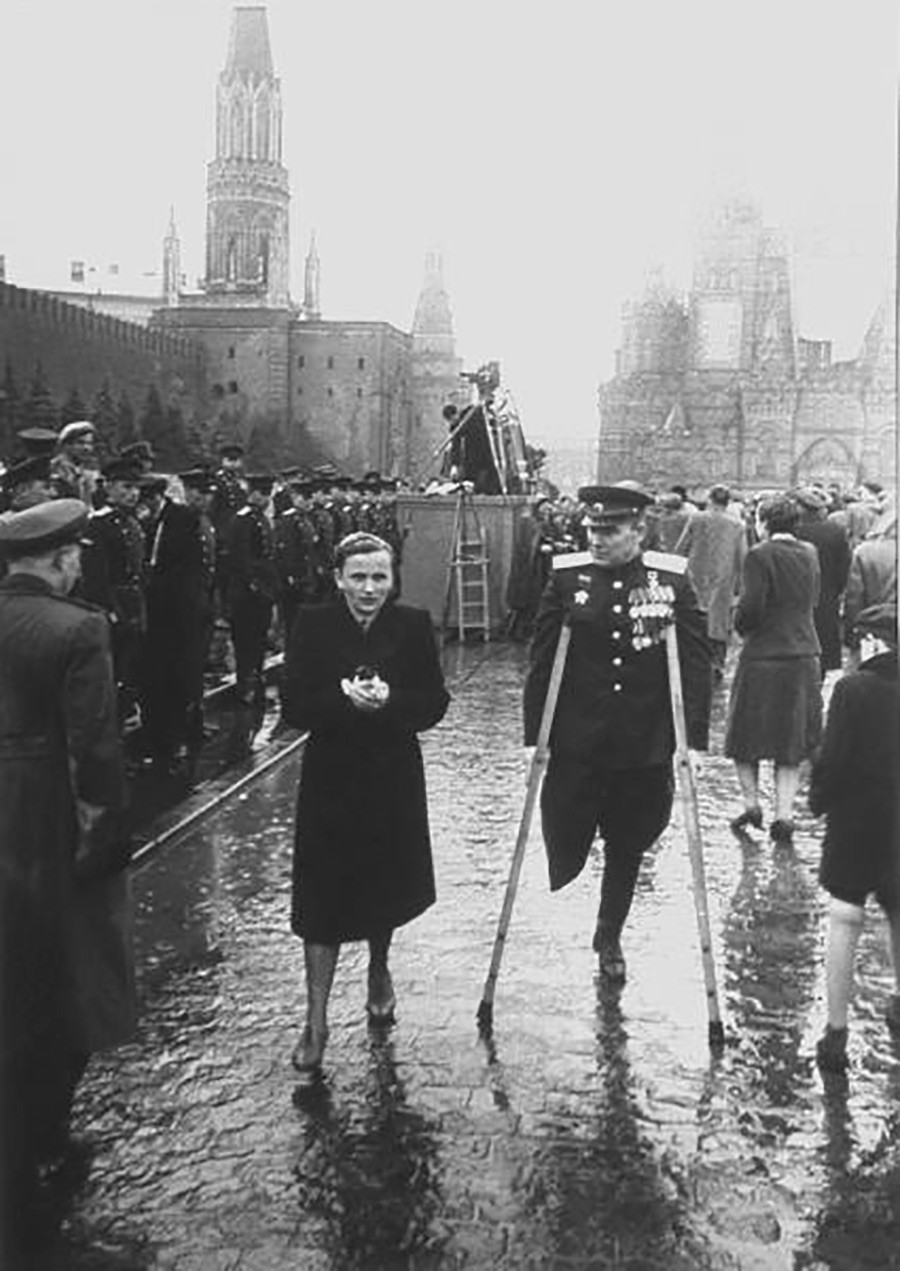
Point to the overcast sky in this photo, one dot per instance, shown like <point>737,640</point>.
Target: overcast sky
<point>554,151</point>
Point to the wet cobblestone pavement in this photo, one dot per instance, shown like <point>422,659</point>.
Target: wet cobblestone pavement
<point>594,1132</point>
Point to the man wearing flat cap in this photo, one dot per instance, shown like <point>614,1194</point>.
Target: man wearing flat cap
<point>66,985</point>
<point>252,590</point>
<point>853,783</point>
<point>612,740</point>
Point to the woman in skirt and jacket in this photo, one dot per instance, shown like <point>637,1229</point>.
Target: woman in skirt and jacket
<point>775,710</point>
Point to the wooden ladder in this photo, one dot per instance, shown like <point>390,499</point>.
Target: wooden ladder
<point>468,573</point>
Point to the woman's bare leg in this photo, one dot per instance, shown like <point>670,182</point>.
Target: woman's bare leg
<point>844,926</point>
<point>787,783</point>
<point>380,1003</point>
<point>321,960</point>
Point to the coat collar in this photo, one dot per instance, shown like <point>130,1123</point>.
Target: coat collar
<point>26,584</point>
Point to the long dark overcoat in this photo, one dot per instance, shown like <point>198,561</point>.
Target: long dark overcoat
<point>362,856</point>
<point>66,974</point>
<point>833,547</point>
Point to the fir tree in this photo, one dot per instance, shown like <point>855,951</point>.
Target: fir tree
<point>105,418</point>
<point>74,407</point>
<point>10,412</point>
<point>40,409</point>
<point>127,425</point>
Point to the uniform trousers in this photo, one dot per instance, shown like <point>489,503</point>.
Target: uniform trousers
<point>251,616</point>
<point>630,807</point>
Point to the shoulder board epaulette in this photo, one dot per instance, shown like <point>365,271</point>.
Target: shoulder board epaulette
<point>671,562</point>
<point>104,511</point>
<point>572,560</point>
<point>244,511</point>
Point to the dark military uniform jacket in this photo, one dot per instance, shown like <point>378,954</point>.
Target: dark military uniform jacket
<point>294,548</point>
<point>113,565</point>
<point>251,554</point>
<point>614,707</point>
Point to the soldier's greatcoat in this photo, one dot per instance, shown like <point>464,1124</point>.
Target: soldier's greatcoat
<point>614,713</point>
<point>66,983</point>
<point>362,858</point>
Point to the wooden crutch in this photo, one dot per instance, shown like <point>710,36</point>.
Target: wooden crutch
<point>687,791</point>
<point>538,765</point>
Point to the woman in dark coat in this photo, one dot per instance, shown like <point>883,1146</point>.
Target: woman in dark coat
<point>364,677</point>
<point>854,784</point>
<point>775,711</point>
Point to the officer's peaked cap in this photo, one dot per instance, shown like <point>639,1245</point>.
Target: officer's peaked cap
<point>34,468</point>
<point>42,528</point>
<point>121,468</point>
<point>197,479</point>
<point>260,481</point>
<point>153,483</point>
<point>607,504</point>
<point>38,440</point>
<point>231,450</point>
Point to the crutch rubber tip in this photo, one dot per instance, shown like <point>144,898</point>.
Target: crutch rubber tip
<point>485,1017</point>
<point>716,1035</point>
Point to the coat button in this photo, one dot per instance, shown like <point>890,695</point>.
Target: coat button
<point>618,584</point>
<point>617,635</point>
<point>617,608</point>
<point>617,688</point>
<point>617,661</point>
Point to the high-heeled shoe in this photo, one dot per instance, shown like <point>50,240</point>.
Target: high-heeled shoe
<point>307,1054</point>
<point>382,1004</point>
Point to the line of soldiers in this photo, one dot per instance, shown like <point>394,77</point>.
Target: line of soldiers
<point>167,555</point>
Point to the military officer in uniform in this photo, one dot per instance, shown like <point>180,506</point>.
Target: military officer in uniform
<point>294,544</point>
<point>229,495</point>
<point>113,577</point>
<point>252,591</point>
<point>27,483</point>
<point>611,745</point>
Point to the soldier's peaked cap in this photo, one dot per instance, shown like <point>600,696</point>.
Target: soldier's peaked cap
<point>38,440</point>
<point>607,504</point>
<point>138,450</point>
<point>153,482</point>
<point>261,481</point>
<point>121,468</point>
<point>231,450</point>
<point>197,479</point>
<point>42,528</point>
<point>34,468</point>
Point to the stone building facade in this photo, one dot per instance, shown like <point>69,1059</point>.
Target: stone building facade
<point>363,395</point>
<point>720,387</point>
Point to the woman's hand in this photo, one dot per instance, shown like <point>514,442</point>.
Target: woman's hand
<point>368,694</point>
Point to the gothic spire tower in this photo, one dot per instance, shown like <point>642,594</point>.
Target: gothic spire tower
<point>247,193</point>
<point>435,368</point>
<point>171,263</point>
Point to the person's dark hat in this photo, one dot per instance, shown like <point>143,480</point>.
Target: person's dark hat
<point>879,621</point>
<point>301,484</point>
<point>810,498</point>
<point>42,527</point>
<point>197,479</point>
<point>609,504</point>
<point>288,474</point>
<point>262,482</point>
<point>37,441</point>
<point>372,479</point>
<point>77,430</point>
<point>679,490</point>
<point>121,468</point>
<point>153,482</point>
<point>34,468</point>
<point>231,450</point>
<point>140,451</point>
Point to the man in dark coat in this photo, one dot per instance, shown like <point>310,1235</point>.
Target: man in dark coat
<point>65,966</point>
<point>252,591</point>
<point>833,547</point>
<point>179,571</point>
<point>612,739</point>
<point>363,675</point>
<point>854,784</point>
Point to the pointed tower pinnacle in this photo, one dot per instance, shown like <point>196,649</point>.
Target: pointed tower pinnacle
<point>311,303</point>
<point>171,271</point>
<point>247,195</point>
<point>432,328</point>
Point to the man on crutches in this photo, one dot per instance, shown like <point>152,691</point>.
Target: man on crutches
<point>612,737</point>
